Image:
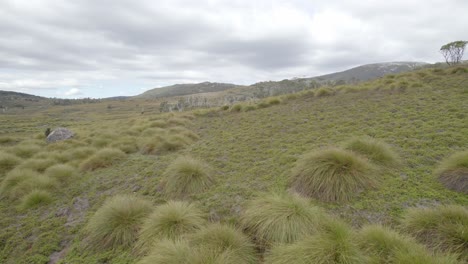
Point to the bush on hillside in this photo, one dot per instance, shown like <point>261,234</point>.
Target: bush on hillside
<point>443,227</point>
<point>117,222</point>
<point>187,176</point>
<point>221,242</point>
<point>453,172</point>
<point>169,221</point>
<point>101,159</point>
<point>280,218</point>
<point>334,244</point>
<point>375,150</point>
<point>332,175</point>
<point>384,245</point>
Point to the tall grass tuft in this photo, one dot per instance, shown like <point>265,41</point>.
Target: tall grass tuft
<point>384,245</point>
<point>35,198</point>
<point>221,242</point>
<point>334,244</point>
<point>281,218</point>
<point>171,252</point>
<point>187,176</point>
<point>453,172</point>
<point>13,178</point>
<point>117,222</point>
<point>39,165</point>
<point>443,227</point>
<point>61,172</point>
<point>375,150</point>
<point>8,162</point>
<point>24,150</point>
<point>332,175</point>
<point>101,159</point>
<point>169,221</point>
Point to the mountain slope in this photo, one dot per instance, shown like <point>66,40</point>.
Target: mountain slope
<point>186,89</point>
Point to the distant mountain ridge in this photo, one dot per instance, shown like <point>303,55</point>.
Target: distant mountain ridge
<point>186,89</point>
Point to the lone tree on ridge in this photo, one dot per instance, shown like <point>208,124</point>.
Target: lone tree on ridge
<point>453,51</point>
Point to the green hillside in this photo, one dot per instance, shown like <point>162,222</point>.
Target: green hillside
<point>107,196</point>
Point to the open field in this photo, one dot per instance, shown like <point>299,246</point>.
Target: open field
<point>242,153</point>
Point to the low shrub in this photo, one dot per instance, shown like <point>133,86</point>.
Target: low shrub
<point>248,108</point>
<point>187,176</point>
<point>224,107</point>
<point>280,218</point>
<point>332,175</point>
<point>321,92</point>
<point>169,221</point>
<point>457,70</point>
<point>453,172</point>
<point>375,150</point>
<point>384,245</point>
<point>35,198</point>
<point>334,244</point>
<point>236,108</point>
<point>274,101</point>
<point>117,222</point>
<point>443,227</point>
<point>221,242</point>
<point>101,159</point>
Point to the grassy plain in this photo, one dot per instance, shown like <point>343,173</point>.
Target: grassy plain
<point>251,148</point>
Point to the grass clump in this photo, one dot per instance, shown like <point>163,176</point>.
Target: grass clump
<point>334,244</point>
<point>187,176</point>
<point>35,198</point>
<point>39,165</point>
<point>169,221</point>
<point>332,175</point>
<point>280,218</point>
<point>236,108</point>
<point>101,159</point>
<point>126,144</point>
<point>14,177</point>
<point>8,162</point>
<point>443,227</point>
<point>384,245</point>
<point>19,182</point>
<point>24,150</point>
<point>324,92</point>
<point>453,172</point>
<point>117,222</point>
<point>375,150</point>
<point>170,252</point>
<point>61,172</point>
<point>219,243</point>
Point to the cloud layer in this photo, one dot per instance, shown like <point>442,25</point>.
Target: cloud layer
<point>109,48</point>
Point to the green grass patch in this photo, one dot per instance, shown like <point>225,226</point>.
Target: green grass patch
<point>375,150</point>
<point>117,222</point>
<point>280,218</point>
<point>332,175</point>
<point>62,173</point>
<point>441,228</point>
<point>101,159</point>
<point>169,221</point>
<point>453,172</point>
<point>39,165</point>
<point>187,176</point>
<point>8,162</point>
<point>35,198</point>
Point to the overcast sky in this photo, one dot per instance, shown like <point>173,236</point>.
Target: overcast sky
<point>102,48</point>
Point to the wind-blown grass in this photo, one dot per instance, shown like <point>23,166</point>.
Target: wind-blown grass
<point>334,244</point>
<point>170,252</point>
<point>443,227</point>
<point>24,150</point>
<point>8,162</point>
<point>169,221</point>
<point>117,222</point>
<point>187,176</point>
<point>375,150</point>
<point>332,175</point>
<point>217,242</point>
<point>384,245</point>
<point>280,218</point>
<point>453,172</point>
<point>103,158</point>
<point>19,182</point>
<point>61,172</point>
<point>39,165</point>
<point>35,198</point>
